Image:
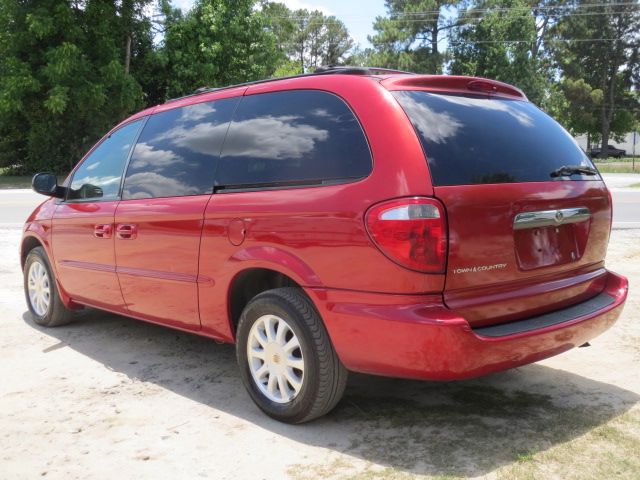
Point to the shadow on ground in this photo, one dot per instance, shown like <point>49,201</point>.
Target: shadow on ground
<point>458,428</point>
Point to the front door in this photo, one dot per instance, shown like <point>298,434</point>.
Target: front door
<point>82,226</point>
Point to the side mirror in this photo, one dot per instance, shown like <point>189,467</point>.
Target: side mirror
<point>47,184</point>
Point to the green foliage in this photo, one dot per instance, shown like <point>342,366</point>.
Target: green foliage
<point>62,82</point>
<point>71,69</point>
<point>408,38</point>
<point>218,43</point>
<point>599,53</point>
<point>495,39</point>
<point>309,38</point>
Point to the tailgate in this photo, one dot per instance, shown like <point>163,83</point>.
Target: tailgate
<point>499,271</point>
<point>527,212</point>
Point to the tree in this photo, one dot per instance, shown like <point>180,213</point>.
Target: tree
<point>62,80</point>
<point>581,108</point>
<point>600,45</point>
<point>309,39</point>
<point>499,39</point>
<point>218,43</point>
<point>408,38</point>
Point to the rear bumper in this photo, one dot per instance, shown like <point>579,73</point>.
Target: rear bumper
<point>416,336</point>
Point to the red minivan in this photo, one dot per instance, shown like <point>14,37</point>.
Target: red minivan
<point>417,226</point>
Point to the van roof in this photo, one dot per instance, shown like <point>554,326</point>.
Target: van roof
<point>340,70</point>
<point>388,78</point>
<point>395,80</point>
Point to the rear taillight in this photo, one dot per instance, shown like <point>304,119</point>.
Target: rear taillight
<point>410,231</point>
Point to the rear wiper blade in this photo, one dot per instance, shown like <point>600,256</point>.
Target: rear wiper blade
<point>568,170</point>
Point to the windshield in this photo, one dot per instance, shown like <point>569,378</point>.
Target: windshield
<point>471,140</point>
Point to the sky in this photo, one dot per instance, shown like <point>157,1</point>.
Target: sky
<point>357,15</point>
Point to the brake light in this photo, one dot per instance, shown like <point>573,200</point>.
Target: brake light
<point>410,231</point>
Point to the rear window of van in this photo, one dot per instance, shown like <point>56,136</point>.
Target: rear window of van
<point>472,140</point>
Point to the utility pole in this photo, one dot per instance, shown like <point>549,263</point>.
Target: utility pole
<point>633,162</point>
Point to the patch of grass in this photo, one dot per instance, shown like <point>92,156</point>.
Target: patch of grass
<point>461,430</point>
<point>616,160</point>
<point>618,167</point>
<point>608,451</point>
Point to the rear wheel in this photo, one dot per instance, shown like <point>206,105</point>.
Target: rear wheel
<point>286,359</point>
<point>41,291</point>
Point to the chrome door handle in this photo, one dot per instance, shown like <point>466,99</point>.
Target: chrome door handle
<point>102,231</point>
<point>550,218</point>
<point>126,231</point>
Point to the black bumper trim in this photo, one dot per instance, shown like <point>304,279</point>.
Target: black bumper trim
<point>548,319</point>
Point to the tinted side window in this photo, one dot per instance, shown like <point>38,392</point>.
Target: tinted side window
<point>100,174</point>
<point>479,140</point>
<point>177,151</point>
<point>293,137</point>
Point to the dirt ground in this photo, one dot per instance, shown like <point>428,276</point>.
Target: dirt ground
<point>112,397</point>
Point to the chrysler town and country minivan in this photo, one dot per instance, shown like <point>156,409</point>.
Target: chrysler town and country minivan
<point>356,219</point>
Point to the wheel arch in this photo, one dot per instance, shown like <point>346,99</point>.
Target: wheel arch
<point>250,282</point>
<point>31,240</point>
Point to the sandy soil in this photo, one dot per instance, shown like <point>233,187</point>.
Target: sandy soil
<point>112,397</point>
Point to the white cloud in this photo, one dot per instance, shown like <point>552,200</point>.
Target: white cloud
<point>146,155</point>
<point>203,138</point>
<point>150,184</point>
<point>506,106</point>
<point>196,112</point>
<point>436,126</point>
<point>273,137</point>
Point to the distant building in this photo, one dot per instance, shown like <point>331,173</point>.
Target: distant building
<point>627,145</point>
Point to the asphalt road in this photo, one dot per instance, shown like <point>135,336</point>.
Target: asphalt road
<point>16,205</point>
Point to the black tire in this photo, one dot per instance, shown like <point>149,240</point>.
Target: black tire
<point>56,313</point>
<point>325,377</point>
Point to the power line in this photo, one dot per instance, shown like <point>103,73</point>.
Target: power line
<point>552,40</point>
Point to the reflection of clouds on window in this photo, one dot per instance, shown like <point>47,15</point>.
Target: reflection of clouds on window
<point>151,184</point>
<point>177,151</point>
<point>196,112</point>
<point>202,138</point>
<point>103,181</point>
<point>293,136</point>
<point>437,126</point>
<point>274,138</point>
<point>101,172</point>
<point>320,112</point>
<point>147,155</point>
<point>506,106</point>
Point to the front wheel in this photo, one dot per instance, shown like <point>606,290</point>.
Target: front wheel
<point>286,359</point>
<point>41,291</point>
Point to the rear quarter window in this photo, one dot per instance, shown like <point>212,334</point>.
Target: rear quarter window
<point>473,140</point>
<point>293,138</point>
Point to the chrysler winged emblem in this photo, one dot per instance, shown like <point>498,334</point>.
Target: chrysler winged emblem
<point>559,216</point>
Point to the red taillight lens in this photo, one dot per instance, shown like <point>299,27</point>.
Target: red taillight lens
<point>411,232</point>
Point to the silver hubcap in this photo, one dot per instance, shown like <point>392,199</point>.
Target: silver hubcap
<point>275,359</point>
<point>39,288</point>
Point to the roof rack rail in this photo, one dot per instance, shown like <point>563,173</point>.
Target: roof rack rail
<point>350,70</point>
<point>323,70</point>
